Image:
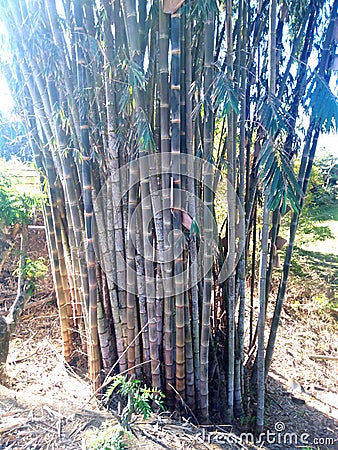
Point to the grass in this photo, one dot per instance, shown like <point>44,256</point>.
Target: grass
<point>329,245</point>
<point>315,257</point>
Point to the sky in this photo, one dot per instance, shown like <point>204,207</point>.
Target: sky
<point>328,143</point>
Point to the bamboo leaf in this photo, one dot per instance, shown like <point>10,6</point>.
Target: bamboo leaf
<point>275,183</point>
<point>323,103</point>
<point>293,200</point>
<point>137,78</point>
<point>284,204</point>
<point>144,133</point>
<point>222,94</point>
<point>291,177</point>
<point>265,152</point>
<point>276,190</point>
<point>269,168</point>
<point>194,229</point>
<point>273,116</point>
<point>278,178</point>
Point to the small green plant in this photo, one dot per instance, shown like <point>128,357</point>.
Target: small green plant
<point>32,271</point>
<point>110,437</point>
<point>295,305</point>
<point>325,303</point>
<point>139,398</point>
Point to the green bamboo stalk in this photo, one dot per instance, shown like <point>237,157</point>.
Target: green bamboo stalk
<point>131,271</point>
<point>130,18</point>
<point>105,236</point>
<point>150,287</point>
<point>109,351</point>
<point>48,97</point>
<point>143,313</point>
<point>60,46</point>
<point>300,87</point>
<point>261,319</point>
<point>56,249</point>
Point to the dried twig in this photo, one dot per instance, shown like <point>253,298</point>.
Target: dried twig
<point>324,357</point>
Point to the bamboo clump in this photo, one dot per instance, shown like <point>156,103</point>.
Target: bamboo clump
<point>138,114</point>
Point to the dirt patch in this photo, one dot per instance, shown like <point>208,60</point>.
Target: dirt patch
<point>33,422</point>
<point>44,403</point>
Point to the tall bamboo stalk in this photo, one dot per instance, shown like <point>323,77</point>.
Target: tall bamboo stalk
<point>208,227</point>
<point>164,93</point>
<point>93,338</point>
<point>264,240</point>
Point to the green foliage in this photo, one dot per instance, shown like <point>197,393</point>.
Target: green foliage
<point>326,303</point>
<point>13,140</point>
<point>15,207</point>
<point>297,10</point>
<point>32,271</point>
<point>135,82</point>
<point>223,95</point>
<point>110,438</point>
<point>273,116</point>
<point>323,189</point>
<point>144,133</point>
<point>17,201</point>
<point>278,178</point>
<point>329,168</point>
<point>323,103</point>
<point>139,398</point>
<point>314,232</point>
<point>321,199</point>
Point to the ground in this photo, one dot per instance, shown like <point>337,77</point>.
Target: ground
<point>45,404</point>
